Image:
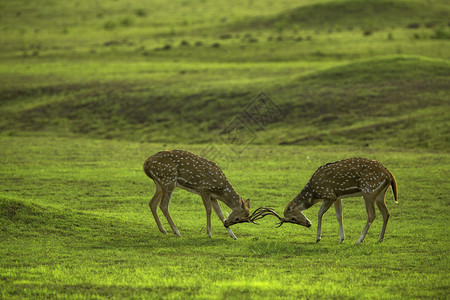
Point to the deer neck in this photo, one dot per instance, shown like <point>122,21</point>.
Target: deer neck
<point>305,199</point>
<point>230,197</point>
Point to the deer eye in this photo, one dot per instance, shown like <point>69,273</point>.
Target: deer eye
<point>294,219</point>
<point>237,219</point>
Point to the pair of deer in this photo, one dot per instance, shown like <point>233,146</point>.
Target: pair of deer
<point>330,183</point>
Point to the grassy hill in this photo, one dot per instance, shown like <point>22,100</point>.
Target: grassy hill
<point>360,15</point>
<point>159,78</point>
<point>270,90</point>
<point>394,100</point>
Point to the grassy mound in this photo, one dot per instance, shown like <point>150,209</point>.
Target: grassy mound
<point>395,68</point>
<point>21,211</point>
<point>393,100</point>
<point>29,219</point>
<point>366,101</point>
<point>367,15</point>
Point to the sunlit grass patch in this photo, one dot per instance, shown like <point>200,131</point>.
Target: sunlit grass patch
<point>76,222</point>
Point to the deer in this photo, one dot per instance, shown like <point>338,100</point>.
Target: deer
<point>179,168</point>
<point>330,183</point>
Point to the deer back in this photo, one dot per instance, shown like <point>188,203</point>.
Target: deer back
<point>345,177</point>
<point>187,170</point>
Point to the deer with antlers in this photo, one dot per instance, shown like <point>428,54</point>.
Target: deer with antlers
<point>179,168</point>
<point>331,183</point>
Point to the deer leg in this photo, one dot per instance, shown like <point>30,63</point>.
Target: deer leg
<point>154,207</point>
<point>370,209</point>
<point>207,202</point>
<point>338,210</point>
<point>384,212</point>
<point>325,206</point>
<point>219,213</point>
<point>165,201</point>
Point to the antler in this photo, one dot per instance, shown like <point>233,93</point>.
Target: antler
<point>265,211</point>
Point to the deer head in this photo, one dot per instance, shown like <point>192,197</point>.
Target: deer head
<point>239,214</point>
<point>293,214</point>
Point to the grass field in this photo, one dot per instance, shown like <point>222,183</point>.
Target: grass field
<point>89,90</point>
<point>76,223</point>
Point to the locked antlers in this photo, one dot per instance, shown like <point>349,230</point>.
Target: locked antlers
<point>265,211</point>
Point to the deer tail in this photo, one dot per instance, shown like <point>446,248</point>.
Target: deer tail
<point>394,187</point>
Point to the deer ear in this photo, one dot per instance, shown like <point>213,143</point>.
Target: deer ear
<point>247,203</point>
<point>240,202</point>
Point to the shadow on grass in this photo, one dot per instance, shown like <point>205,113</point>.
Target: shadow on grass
<point>292,249</point>
<point>109,291</point>
<point>163,241</point>
<point>85,231</point>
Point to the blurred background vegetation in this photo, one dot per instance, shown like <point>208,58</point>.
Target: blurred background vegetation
<point>343,72</point>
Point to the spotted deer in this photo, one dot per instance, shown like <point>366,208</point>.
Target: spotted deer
<point>179,168</point>
<point>331,183</point>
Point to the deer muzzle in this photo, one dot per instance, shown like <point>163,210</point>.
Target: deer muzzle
<point>299,221</point>
<point>227,223</point>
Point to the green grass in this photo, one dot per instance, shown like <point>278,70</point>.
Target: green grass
<point>367,15</point>
<point>89,90</point>
<point>392,100</point>
<point>75,223</point>
<point>63,72</point>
